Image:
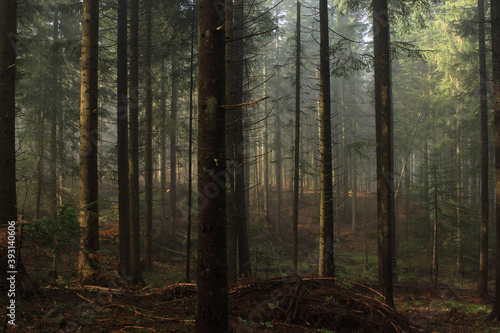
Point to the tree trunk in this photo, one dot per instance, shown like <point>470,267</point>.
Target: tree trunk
<point>495,45</point>
<point>190,151</point>
<point>277,143</point>
<point>53,119</point>
<point>326,258</point>
<point>459,257</point>
<point>173,146</point>
<point>211,307</point>
<point>296,148</point>
<point>241,167</point>
<point>135,227</point>
<point>482,285</point>
<point>231,211</point>
<point>89,219</point>
<point>385,159</point>
<point>8,198</point>
<point>148,167</point>
<point>163,156</point>
<point>122,141</point>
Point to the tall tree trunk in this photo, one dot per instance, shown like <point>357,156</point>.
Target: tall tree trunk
<point>459,257</point>
<point>89,218</point>
<point>173,146</point>
<point>267,199</point>
<point>277,143</point>
<point>8,197</point>
<point>231,211</point>
<point>135,227</point>
<point>326,258</point>
<point>482,285</point>
<point>385,158</point>
<point>296,147</point>
<point>190,151</point>
<point>122,141</point>
<point>148,167</point>
<point>163,156</point>
<point>53,119</point>
<point>495,45</point>
<point>241,167</point>
<point>211,307</point>
<point>434,270</point>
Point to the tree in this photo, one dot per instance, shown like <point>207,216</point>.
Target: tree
<point>122,140</point>
<point>482,285</point>
<point>148,257</point>
<point>211,307</point>
<point>326,259</point>
<point>89,219</point>
<point>173,145</point>
<point>385,159</point>
<point>296,147</point>
<point>495,45</point>
<point>135,228</point>
<point>8,198</point>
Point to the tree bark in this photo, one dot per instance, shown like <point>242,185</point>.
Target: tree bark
<point>211,308</point>
<point>122,141</point>
<point>8,198</point>
<point>53,118</point>
<point>296,148</point>
<point>190,152</point>
<point>482,285</point>
<point>135,228</point>
<point>495,45</point>
<point>231,211</point>
<point>326,258</point>
<point>148,167</point>
<point>385,158</point>
<point>89,219</point>
<point>173,146</point>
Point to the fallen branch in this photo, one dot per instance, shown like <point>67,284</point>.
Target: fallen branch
<point>177,320</point>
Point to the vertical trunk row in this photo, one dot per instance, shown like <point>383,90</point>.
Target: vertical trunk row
<point>122,138</point>
<point>211,307</point>
<point>385,158</point>
<point>296,147</point>
<point>89,220</point>
<point>326,259</point>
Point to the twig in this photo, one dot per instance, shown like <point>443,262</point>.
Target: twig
<point>137,327</point>
<point>88,300</point>
<point>177,320</point>
<point>293,326</point>
<point>244,104</point>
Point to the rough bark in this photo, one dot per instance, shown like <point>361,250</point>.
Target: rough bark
<point>495,44</point>
<point>8,198</point>
<point>211,309</point>
<point>482,285</point>
<point>173,146</point>
<point>135,228</point>
<point>53,119</point>
<point>296,147</point>
<point>148,167</point>
<point>89,219</point>
<point>385,159</point>
<point>190,152</point>
<point>326,258</point>
<point>122,141</point>
<point>232,240</point>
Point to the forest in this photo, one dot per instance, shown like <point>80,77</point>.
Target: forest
<point>218,166</point>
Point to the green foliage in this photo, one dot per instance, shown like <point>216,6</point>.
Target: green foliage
<point>61,234</point>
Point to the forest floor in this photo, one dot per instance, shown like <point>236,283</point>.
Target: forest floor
<point>272,301</point>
